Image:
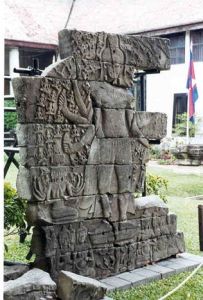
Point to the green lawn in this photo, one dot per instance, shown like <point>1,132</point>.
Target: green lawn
<point>180,187</point>
<point>16,251</point>
<point>193,290</point>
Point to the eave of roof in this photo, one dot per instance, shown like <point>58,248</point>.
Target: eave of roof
<point>25,44</point>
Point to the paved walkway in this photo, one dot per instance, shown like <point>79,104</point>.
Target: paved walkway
<point>163,269</point>
<point>198,170</point>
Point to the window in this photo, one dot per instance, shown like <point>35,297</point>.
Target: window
<point>179,107</point>
<point>139,92</point>
<point>44,56</point>
<point>177,48</point>
<point>197,41</point>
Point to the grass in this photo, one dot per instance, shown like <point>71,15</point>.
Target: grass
<point>180,187</point>
<point>193,290</point>
<point>16,251</point>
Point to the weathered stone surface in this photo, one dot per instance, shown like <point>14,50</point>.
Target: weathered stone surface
<point>46,144</point>
<point>120,151</point>
<point>14,271</point>
<point>99,233</point>
<point>104,95</point>
<point>72,286</point>
<point>34,284</point>
<point>116,74</point>
<point>57,183</point>
<point>142,125</point>
<point>83,154</point>
<point>105,261</point>
<point>151,204</point>
<point>141,52</point>
<point>112,207</point>
<point>49,100</point>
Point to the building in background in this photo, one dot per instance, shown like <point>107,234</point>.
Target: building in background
<point>32,28</point>
<point>167,92</point>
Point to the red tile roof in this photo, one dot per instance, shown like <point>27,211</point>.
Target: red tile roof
<point>39,21</point>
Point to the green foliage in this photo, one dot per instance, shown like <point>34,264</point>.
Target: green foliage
<point>14,209</point>
<point>157,185</point>
<point>155,152</point>
<point>180,128</point>
<point>180,184</point>
<point>168,161</point>
<point>164,157</point>
<point>10,118</point>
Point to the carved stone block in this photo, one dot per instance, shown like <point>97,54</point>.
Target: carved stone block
<point>91,70</point>
<point>73,286</point>
<point>112,207</point>
<point>57,183</point>
<point>120,151</point>
<point>83,154</point>
<point>142,125</point>
<point>45,144</point>
<point>104,95</point>
<point>109,260</point>
<point>150,206</point>
<point>141,52</point>
<point>49,100</point>
<point>97,233</point>
<point>53,145</point>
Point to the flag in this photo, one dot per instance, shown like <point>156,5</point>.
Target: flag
<point>192,89</point>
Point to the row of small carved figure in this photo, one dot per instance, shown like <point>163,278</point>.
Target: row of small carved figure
<point>107,261</point>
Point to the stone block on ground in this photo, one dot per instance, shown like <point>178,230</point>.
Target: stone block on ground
<point>72,286</point>
<point>115,282</point>
<point>34,284</point>
<point>13,271</point>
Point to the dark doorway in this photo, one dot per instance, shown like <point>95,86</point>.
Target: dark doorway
<point>179,106</point>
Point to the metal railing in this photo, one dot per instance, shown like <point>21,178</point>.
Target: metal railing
<point>10,139</point>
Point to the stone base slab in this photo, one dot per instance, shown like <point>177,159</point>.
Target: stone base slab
<point>183,262</point>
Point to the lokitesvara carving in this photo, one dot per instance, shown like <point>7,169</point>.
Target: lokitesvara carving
<point>83,153</point>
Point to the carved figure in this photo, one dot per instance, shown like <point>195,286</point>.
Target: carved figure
<point>84,149</point>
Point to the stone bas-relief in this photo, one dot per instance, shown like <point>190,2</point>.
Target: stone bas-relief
<point>112,207</point>
<point>49,100</point>
<point>56,183</point>
<point>54,144</point>
<point>83,154</point>
<point>138,51</point>
<point>106,261</point>
<point>82,69</point>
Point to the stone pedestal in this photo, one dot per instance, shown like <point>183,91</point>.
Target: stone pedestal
<point>83,150</point>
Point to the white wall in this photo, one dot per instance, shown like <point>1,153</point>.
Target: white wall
<point>162,87</point>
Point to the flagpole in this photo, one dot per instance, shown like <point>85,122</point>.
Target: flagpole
<point>188,98</point>
<point>188,119</point>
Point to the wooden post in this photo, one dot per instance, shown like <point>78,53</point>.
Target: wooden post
<point>200,219</point>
